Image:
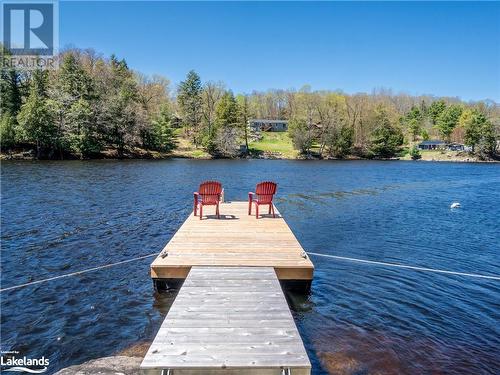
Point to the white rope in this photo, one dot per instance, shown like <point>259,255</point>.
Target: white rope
<point>491,277</point>
<point>76,273</point>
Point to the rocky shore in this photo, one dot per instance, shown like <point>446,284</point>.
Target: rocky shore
<point>126,362</point>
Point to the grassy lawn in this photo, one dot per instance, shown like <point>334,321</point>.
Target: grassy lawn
<point>275,142</point>
<point>186,149</point>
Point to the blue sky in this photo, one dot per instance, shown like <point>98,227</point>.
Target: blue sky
<point>444,48</point>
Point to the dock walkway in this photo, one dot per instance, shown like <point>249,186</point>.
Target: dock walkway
<point>230,316</point>
<point>228,320</point>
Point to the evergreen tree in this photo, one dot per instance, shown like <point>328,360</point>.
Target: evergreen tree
<point>448,120</point>
<point>435,110</point>
<point>224,140</point>
<point>119,107</point>
<point>226,111</point>
<point>10,92</point>
<point>190,101</point>
<point>162,137</point>
<point>10,103</point>
<point>386,137</point>
<point>8,126</point>
<point>415,153</point>
<point>36,117</point>
<point>478,131</point>
<point>77,121</point>
<point>244,111</point>
<point>73,80</point>
<point>413,122</point>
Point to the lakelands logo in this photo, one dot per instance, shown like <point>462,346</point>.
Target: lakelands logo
<point>23,364</point>
<point>30,33</point>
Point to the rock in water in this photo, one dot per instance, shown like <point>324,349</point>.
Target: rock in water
<point>105,366</point>
<point>455,205</point>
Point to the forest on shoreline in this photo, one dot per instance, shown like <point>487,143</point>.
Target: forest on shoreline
<point>97,107</point>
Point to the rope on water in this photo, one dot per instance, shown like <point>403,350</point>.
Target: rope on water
<point>365,261</point>
<point>76,273</point>
<point>416,268</point>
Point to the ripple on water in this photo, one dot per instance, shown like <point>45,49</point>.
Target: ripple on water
<point>61,217</point>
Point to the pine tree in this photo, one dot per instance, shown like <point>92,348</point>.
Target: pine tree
<point>478,131</point>
<point>413,121</point>
<point>435,110</point>
<point>162,137</point>
<point>448,120</point>
<point>36,117</point>
<point>10,103</point>
<point>190,101</point>
<point>387,138</point>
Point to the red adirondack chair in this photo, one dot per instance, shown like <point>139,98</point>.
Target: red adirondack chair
<point>264,192</point>
<point>208,194</point>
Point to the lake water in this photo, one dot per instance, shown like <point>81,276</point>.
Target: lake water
<point>60,217</point>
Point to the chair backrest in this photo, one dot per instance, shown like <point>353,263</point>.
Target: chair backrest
<point>265,191</point>
<point>210,191</point>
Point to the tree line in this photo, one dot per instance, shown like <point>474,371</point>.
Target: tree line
<point>91,104</point>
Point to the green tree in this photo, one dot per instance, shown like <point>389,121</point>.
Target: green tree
<point>448,120</point>
<point>244,111</point>
<point>425,135</point>
<point>479,132</point>
<point>73,80</point>
<point>471,121</point>
<point>227,127</point>
<point>435,110</point>
<point>386,138</point>
<point>190,101</point>
<point>413,122</point>
<point>8,125</point>
<point>226,111</point>
<point>415,153</point>
<point>36,117</point>
<point>340,142</point>
<point>120,107</point>
<point>488,142</point>
<point>82,139</point>
<point>162,137</point>
<point>300,135</point>
<point>10,103</point>
<point>76,113</point>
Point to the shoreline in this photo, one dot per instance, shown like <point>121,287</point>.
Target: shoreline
<point>163,156</point>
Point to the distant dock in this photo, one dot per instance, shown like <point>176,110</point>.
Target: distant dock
<point>230,316</point>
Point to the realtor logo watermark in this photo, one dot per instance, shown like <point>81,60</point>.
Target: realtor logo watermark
<point>30,33</point>
<point>10,361</point>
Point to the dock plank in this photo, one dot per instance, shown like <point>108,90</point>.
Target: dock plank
<point>238,330</point>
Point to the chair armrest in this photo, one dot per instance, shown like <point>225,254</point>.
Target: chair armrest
<point>196,195</point>
<point>250,196</point>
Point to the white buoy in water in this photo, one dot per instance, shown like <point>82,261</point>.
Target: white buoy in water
<point>455,205</point>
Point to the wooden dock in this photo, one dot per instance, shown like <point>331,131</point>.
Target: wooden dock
<point>230,316</point>
<point>236,239</point>
<point>228,320</point>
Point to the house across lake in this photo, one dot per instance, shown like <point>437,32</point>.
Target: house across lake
<point>268,125</point>
<point>432,145</point>
<point>441,145</point>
